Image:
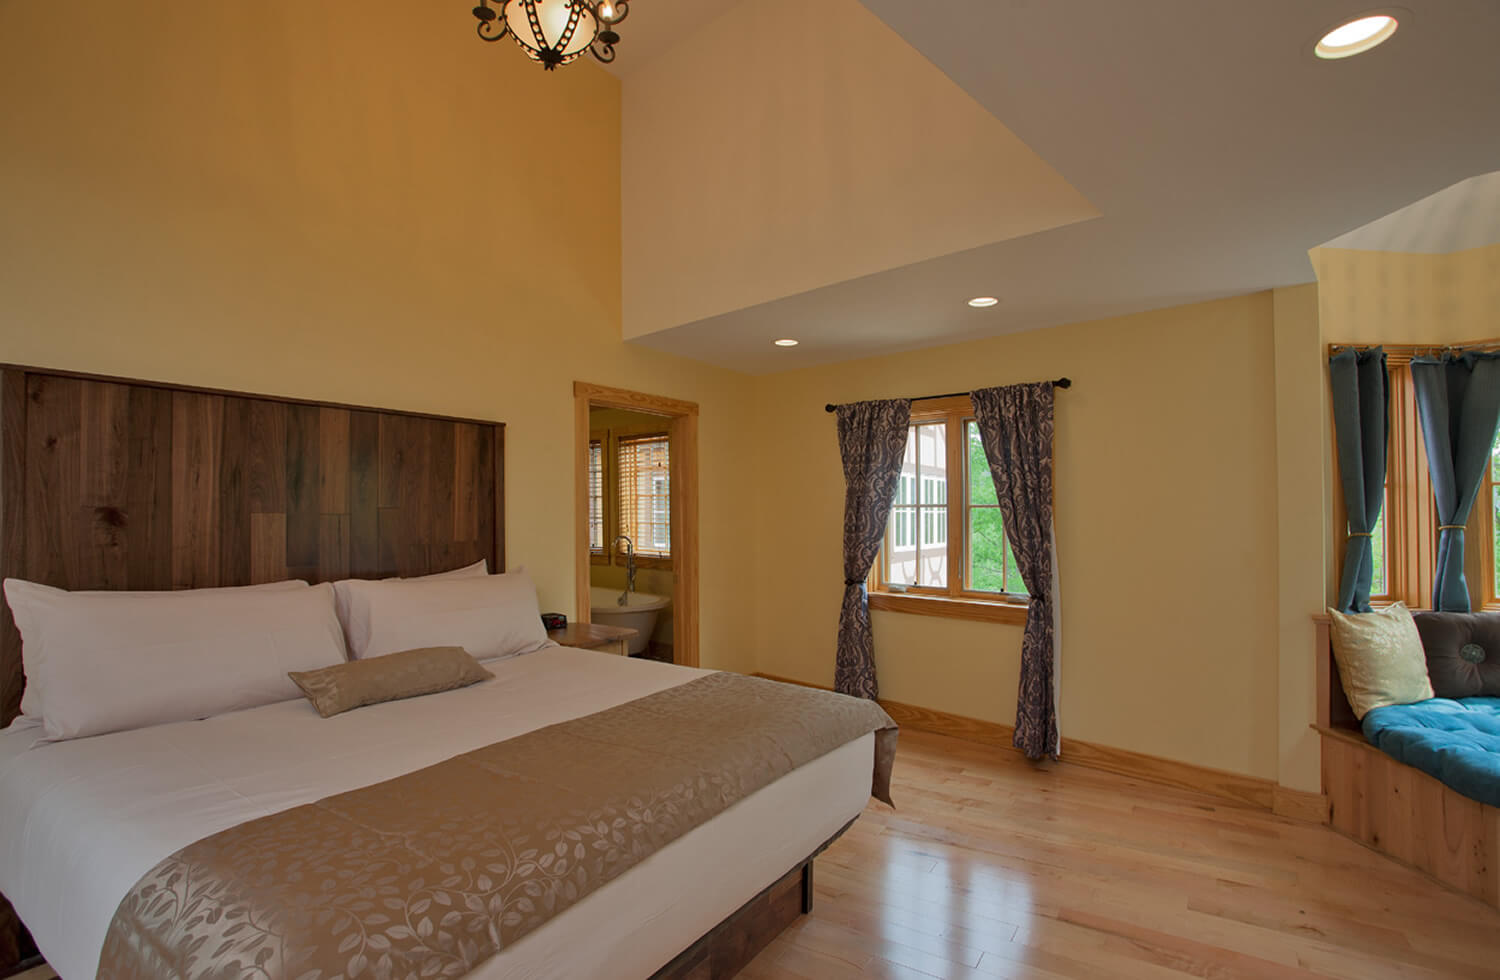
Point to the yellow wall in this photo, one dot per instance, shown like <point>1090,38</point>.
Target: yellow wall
<point>1166,528</point>
<point>1408,297</point>
<point>796,158</point>
<point>1301,561</point>
<point>275,203</point>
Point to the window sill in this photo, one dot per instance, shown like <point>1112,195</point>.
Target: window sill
<point>647,561</point>
<point>979,610</point>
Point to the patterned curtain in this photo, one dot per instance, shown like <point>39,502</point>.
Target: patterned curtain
<point>1458,398</point>
<point>872,440</point>
<point>1015,425</point>
<point>1361,420</point>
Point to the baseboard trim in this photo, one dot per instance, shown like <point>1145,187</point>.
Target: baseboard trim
<point>1296,804</point>
<point>1252,791</point>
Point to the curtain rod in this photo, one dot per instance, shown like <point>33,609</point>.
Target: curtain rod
<point>1059,383</point>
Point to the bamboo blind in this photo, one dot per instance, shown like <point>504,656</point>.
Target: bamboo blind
<point>596,495</point>
<point>645,494</point>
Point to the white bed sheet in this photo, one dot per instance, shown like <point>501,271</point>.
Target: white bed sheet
<point>81,821</point>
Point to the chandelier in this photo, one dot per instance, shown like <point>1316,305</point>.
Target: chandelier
<point>554,32</point>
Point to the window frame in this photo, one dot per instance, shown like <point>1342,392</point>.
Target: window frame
<point>954,601</point>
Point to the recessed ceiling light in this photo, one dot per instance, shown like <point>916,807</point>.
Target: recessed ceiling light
<point>1356,37</point>
<point>787,342</point>
<point>981,302</point>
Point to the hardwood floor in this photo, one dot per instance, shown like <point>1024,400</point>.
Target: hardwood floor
<point>992,868</point>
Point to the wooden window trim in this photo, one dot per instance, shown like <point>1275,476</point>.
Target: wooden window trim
<point>948,607</point>
<point>954,602</point>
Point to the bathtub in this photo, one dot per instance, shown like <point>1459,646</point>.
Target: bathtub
<point>639,615</point>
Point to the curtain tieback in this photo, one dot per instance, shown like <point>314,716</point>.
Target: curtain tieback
<point>1451,527</point>
<point>1361,534</point>
<point>854,581</point>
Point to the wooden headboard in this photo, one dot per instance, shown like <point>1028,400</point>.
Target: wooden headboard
<point>114,484</point>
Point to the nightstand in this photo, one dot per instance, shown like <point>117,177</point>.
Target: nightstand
<point>594,636</point>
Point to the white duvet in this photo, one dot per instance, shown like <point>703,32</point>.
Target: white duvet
<point>81,821</point>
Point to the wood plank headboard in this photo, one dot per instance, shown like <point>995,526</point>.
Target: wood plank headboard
<point>117,484</point>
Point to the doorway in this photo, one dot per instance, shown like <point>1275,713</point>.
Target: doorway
<point>679,421</point>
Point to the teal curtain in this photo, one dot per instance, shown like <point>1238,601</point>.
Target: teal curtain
<point>1361,421</point>
<point>1458,399</point>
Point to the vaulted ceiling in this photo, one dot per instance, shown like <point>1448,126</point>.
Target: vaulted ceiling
<point>848,174</point>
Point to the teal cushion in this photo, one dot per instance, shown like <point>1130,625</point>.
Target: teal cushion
<point>1457,742</point>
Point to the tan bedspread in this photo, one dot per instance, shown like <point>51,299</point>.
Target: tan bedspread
<point>433,872</point>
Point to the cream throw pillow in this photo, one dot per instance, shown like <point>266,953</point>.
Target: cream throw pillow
<point>1380,658</point>
<point>408,674</point>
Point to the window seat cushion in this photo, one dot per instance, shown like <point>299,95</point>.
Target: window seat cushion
<point>1455,742</point>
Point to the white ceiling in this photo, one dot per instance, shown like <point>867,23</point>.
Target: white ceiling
<point>1464,216</point>
<point>1216,147</point>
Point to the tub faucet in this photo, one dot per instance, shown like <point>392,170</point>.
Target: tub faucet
<point>629,568</point>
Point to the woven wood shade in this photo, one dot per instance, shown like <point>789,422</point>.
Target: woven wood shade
<point>645,494</point>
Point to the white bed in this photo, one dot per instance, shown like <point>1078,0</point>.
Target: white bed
<point>81,821</point>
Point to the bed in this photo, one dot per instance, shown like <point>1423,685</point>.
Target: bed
<point>124,485</point>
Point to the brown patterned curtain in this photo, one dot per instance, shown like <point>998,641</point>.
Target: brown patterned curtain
<point>1015,425</point>
<point>872,440</point>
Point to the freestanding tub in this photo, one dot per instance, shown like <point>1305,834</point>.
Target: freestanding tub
<point>639,615</point>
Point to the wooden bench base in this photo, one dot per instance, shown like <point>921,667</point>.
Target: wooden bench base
<point>1407,815</point>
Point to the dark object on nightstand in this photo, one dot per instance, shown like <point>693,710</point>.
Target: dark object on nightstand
<point>554,621</point>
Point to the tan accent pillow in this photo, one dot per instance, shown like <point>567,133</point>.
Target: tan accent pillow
<point>408,674</point>
<point>1380,658</point>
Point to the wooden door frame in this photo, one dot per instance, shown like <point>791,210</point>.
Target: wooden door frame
<point>682,431</point>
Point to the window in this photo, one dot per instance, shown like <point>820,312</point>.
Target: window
<point>596,496</point>
<point>1404,538</point>
<point>992,566</point>
<point>645,494</point>
<point>944,485</point>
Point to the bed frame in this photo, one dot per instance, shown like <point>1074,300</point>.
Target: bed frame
<point>108,483</point>
<point>1395,809</point>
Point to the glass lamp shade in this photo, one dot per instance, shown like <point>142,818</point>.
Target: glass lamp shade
<point>553,32</point>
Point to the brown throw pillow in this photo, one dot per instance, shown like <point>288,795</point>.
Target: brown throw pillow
<point>408,674</point>
<point>1463,652</point>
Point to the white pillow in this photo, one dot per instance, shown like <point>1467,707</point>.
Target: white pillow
<point>357,630</point>
<point>24,596</point>
<point>114,662</point>
<point>493,616</point>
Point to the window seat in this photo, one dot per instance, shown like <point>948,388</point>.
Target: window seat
<point>1455,742</point>
<point>1397,808</point>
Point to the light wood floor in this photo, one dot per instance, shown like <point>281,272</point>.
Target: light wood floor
<point>991,868</point>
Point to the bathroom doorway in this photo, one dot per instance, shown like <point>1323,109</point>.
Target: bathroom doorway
<point>636,458</point>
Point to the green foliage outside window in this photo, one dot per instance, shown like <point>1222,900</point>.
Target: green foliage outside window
<point>994,566</point>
